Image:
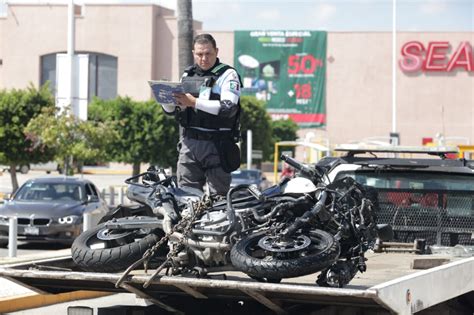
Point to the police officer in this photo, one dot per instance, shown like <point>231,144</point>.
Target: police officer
<point>208,113</point>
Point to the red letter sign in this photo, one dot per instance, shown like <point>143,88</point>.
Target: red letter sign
<point>462,57</point>
<point>412,53</point>
<point>436,57</point>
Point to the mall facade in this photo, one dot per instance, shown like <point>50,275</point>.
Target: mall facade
<point>128,44</point>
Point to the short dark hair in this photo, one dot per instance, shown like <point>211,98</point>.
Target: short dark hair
<point>204,39</point>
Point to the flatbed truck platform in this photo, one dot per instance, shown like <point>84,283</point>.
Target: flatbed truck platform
<point>389,286</point>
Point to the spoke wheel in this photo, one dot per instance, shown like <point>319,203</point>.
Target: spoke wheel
<point>268,257</point>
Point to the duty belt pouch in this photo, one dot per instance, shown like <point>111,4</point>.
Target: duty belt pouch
<point>229,154</point>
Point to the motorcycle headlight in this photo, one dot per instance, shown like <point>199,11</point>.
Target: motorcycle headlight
<point>70,219</point>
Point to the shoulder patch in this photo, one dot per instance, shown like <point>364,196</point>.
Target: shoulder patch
<point>234,85</point>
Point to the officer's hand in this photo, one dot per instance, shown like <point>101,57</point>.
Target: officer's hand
<point>185,99</point>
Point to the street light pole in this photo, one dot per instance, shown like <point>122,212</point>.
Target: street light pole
<point>70,50</point>
<point>394,66</point>
<point>249,149</point>
<point>70,58</point>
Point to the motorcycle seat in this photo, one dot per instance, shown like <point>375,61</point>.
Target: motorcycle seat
<point>187,192</point>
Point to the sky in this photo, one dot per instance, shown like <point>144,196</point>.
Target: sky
<point>324,15</point>
<point>332,15</point>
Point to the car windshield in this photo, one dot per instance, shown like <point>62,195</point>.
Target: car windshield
<point>49,191</point>
<point>250,175</point>
<point>412,180</point>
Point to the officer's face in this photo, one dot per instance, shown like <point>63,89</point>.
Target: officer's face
<point>205,55</point>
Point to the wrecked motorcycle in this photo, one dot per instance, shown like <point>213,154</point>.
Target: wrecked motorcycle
<point>300,226</point>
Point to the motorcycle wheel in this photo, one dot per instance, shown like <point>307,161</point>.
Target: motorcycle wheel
<point>249,257</point>
<point>102,250</point>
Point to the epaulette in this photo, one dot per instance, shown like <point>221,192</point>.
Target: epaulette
<point>221,68</point>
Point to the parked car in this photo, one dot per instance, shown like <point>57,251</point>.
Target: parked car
<point>252,176</point>
<point>48,167</point>
<point>430,198</point>
<point>51,209</point>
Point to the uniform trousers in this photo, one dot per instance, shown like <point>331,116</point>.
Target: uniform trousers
<point>198,163</point>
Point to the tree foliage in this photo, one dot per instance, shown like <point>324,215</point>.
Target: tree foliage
<point>254,117</point>
<point>71,137</point>
<point>17,108</point>
<point>146,134</point>
<point>284,130</point>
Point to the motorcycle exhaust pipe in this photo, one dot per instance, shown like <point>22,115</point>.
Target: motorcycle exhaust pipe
<point>176,236</point>
<point>167,227</point>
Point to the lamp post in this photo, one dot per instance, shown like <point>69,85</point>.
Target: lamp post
<point>70,51</point>
<point>394,71</point>
<point>249,149</point>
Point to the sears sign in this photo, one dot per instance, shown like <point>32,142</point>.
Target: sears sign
<point>436,56</point>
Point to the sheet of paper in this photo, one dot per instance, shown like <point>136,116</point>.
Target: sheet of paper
<point>163,91</point>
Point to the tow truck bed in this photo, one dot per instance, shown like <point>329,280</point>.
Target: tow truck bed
<point>389,284</point>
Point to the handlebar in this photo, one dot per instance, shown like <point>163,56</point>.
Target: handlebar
<point>152,176</point>
<point>308,171</point>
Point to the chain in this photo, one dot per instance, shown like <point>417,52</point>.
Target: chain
<point>187,226</point>
<point>184,225</point>
<point>149,253</point>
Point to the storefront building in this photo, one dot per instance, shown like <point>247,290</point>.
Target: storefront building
<point>129,44</point>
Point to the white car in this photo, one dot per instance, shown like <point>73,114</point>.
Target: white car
<point>48,167</point>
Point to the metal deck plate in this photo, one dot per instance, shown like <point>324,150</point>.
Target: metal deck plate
<point>389,283</point>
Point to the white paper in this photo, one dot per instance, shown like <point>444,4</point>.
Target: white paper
<point>163,91</point>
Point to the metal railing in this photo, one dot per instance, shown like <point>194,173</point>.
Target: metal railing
<point>115,195</point>
<point>440,217</point>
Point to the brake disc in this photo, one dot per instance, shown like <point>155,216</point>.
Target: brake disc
<point>278,244</point>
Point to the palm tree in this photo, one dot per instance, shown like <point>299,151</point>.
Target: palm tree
<point>185,33</point>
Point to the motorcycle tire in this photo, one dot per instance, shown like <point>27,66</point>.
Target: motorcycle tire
<point>248,257</point>
<point>117,254</point>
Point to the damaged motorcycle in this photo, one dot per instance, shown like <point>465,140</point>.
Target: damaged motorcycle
<point>300,226</point>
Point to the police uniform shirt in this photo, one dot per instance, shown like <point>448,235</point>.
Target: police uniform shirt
<point>227,86</point>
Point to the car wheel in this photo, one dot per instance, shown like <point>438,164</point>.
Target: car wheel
<point>24,169</point>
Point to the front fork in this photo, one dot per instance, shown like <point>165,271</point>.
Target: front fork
<point>342,272</point>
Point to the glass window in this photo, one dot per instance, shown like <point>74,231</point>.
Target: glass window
<point>91,190</point>
<point>46,192</point>
<point>412,180</point>
<point>48,71</point>
<point>102,74</point>
<point>88,190</point>
<point>95,191</point>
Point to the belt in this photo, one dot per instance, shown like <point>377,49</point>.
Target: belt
<point>206,135</point>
